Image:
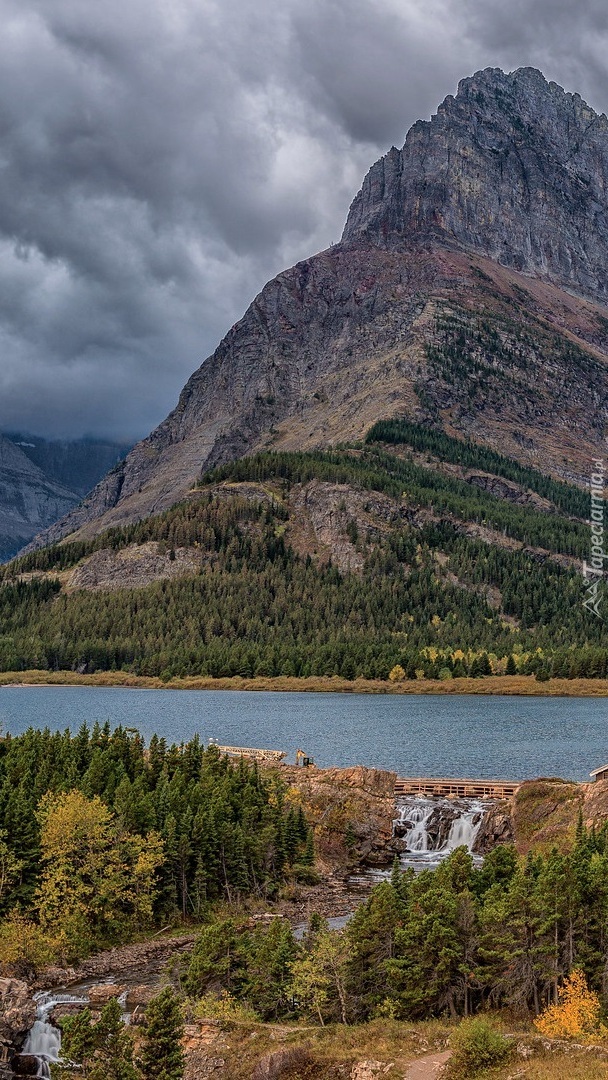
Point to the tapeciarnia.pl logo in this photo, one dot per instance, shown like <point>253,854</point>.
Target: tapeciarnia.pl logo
<point>593,571</point>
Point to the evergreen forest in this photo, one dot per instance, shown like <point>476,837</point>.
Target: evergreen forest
<point>456,581</point>
<point>102,839</point>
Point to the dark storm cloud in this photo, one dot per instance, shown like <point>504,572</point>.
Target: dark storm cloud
<point>160,160</point>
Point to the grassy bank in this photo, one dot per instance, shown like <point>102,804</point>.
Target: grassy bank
<point>491,684</point>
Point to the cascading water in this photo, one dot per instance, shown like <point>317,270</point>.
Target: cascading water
<point>464,829</point>
<point>416,815</point>
<point>433,827</point>
<point>44,1040</point>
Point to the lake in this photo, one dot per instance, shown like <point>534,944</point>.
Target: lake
<point>435,735</point>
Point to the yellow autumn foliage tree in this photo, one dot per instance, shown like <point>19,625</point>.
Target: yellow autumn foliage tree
<point>576,1015</point>
<point>97,879</point>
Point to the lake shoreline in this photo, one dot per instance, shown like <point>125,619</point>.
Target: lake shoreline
<point>490,685</point>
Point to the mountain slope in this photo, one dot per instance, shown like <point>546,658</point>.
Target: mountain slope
<point>467,293</point>
<point>29,500</point>
<point>77,464</point>
<point>324,563</point>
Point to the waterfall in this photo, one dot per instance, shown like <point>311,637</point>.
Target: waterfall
<point>432,827</point>
<point>464,828</point>
<point>417,816</point>
<point>44,1040</point>
<point>44,1043</point>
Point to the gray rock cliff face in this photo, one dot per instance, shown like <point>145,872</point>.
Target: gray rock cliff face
<point>513,167</point>
<point>498,203</point>
<point>29,501</point>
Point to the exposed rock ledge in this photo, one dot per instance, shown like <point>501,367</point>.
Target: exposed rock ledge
<point>132,567</point>
<point>351,810</point>
<point>496,828</point>
<point>17,1014</point>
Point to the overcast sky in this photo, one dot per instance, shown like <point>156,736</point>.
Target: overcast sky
<point>161,159</point>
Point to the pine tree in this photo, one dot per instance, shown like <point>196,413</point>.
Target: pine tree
<point>104,1049</point>
<point>307,858</point>
<point>162,1056</point>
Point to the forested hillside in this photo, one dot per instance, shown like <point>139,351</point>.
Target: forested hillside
<point>420,556</point>
<point>451,941</point>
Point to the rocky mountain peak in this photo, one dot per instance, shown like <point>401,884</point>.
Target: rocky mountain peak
<point>509,176</point>
<point>512,167</point>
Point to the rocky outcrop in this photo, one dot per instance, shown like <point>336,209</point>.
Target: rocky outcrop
<point>205,1050</point>
<point>546,812</point>
<point>496,206</point>
<point>496,828</point>
<point>282,1063</point>
<point>506,489</point>
<point>351,811</point>
<point>132,567</point>
<point>327,521</point>
<point>17,1014</point>
<point>513,167</point>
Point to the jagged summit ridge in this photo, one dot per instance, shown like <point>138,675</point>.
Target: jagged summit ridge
<point>512,167</point>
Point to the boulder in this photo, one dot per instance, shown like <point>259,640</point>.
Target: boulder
<point>100,995</point>
<point>368,1070</point>
<point>140,996</point>
<point>59,1013</point>
<point>281,1063</point>
<point>17,1014</point>
<point>25,1065</point>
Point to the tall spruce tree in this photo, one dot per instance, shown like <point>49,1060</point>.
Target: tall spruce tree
<point>162,1056</point>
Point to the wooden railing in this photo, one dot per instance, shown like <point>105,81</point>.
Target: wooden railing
<point>475,789</point>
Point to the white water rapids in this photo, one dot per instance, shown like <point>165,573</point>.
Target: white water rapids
<point>431,827</point>
<point>44,1040</point>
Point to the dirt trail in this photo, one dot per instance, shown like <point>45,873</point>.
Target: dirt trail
<point>427,1068</point>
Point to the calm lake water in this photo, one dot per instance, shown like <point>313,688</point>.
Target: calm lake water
<point>436,735</point>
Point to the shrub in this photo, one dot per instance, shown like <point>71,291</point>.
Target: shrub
<point>476,1045</point>
<point>576,1014</point>
<point>24,948</point>
<point>224,1007</point>
<point>305,875</point>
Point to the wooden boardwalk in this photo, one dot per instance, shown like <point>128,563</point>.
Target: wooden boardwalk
<point>473,789</point>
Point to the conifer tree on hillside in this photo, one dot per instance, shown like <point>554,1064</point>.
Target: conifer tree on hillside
<point>103,1049</point>
<point>162,1056</point>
